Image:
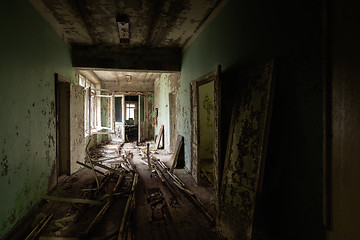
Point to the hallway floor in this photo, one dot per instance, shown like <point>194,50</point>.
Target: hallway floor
<point>78,209</point>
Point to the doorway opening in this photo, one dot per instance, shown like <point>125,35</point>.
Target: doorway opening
<point>131,118</point>
<point>205,129</point>
<point>119,118</point>
<point>62,89</point>
<point>172,121</point>
<point>206,133</point>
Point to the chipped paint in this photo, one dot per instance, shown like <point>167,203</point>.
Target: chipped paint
<point>245,156</point>
<point>163,23</point>
<point>162,88</point>
<point>206,121</point>
<point>77,138</point>
<point>27,146</point>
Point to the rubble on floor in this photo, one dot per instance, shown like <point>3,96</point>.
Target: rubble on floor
<point>125,191</point>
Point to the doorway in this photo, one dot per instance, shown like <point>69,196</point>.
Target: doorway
<point>131,118</point>
<point>119,118</point>
<point>62,89</point>
<point>206,133</point>
<point>172,121</point>
<point>205,129</point>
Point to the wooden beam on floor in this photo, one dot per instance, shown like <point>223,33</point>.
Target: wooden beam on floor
<point>72,200</point>
<point>175,156</point>
<point>112,170</point>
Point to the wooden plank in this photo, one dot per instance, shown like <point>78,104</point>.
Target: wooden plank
<point>148,155</point>
<point>112,170</point>
<point>159,137</point>
<point>36,231</point>
<point>58,238</point>
<point>72,200</point>
<point>129,203</point>
<point>84,165</point>
<point>175,156</point>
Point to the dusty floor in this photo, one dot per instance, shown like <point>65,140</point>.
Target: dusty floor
<point>158,209</point>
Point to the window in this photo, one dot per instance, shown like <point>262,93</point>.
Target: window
<point>94,99</point>
<point>130,111</point>
<point>81,81</point>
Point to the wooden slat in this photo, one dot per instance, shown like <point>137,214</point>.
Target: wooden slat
<point>175,156</point>
<point>112,170</point>
<point>72,200</point>
<point>159,137</point>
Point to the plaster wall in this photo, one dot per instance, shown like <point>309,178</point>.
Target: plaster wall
<point>148,116</point>
<point>31,53</point>
<point>77,136</point>
<point>290,32</point>
<point>161,102</point>
<point>167,83</point>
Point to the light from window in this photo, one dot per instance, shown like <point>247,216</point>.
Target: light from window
<point>130,111</point>
<point>81,81</point>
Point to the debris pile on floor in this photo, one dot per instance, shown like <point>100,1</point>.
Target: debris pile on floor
<point>98,201</point>
<point>83,206</point>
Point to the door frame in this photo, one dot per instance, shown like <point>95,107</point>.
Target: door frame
<point>195,123</point>
<point>172,121</point>
<point>61,80</point>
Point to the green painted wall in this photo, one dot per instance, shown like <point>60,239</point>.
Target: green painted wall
<point>246,32</point>
<point>162,89</point>
<point>167,83</point>
<point>30,54</point>
<point>206,119</point>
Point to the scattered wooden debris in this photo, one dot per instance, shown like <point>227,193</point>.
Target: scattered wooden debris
<point>173,200</point>
<point>129,203</point>
<point>36,231</point>
<point>85,165</point>
<point>104,208</point>
<point>112,170</point>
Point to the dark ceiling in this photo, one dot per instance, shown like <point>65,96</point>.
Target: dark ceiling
<point>152,23</point>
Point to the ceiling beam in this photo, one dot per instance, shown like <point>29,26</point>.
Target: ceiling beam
<point>115,57</point>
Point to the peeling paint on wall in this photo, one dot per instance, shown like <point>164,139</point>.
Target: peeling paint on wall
<point>245,152</point>
<point>29,59</point>
<point>77,138</point>
<point>168,82</point>
<point>206,120</point>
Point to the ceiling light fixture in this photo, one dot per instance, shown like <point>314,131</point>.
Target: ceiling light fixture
<point>123,28</point>
<point>128,78</point>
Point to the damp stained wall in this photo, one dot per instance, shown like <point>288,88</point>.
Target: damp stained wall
<point>148,116</point>
<point>246,32</point>
<point>206,119</point>
<point>31,53</point>
<point>77,135</point>
<point>167,83</point>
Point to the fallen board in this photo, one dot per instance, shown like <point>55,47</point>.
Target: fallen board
<point>159,137</point>
<point>175,156</point>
